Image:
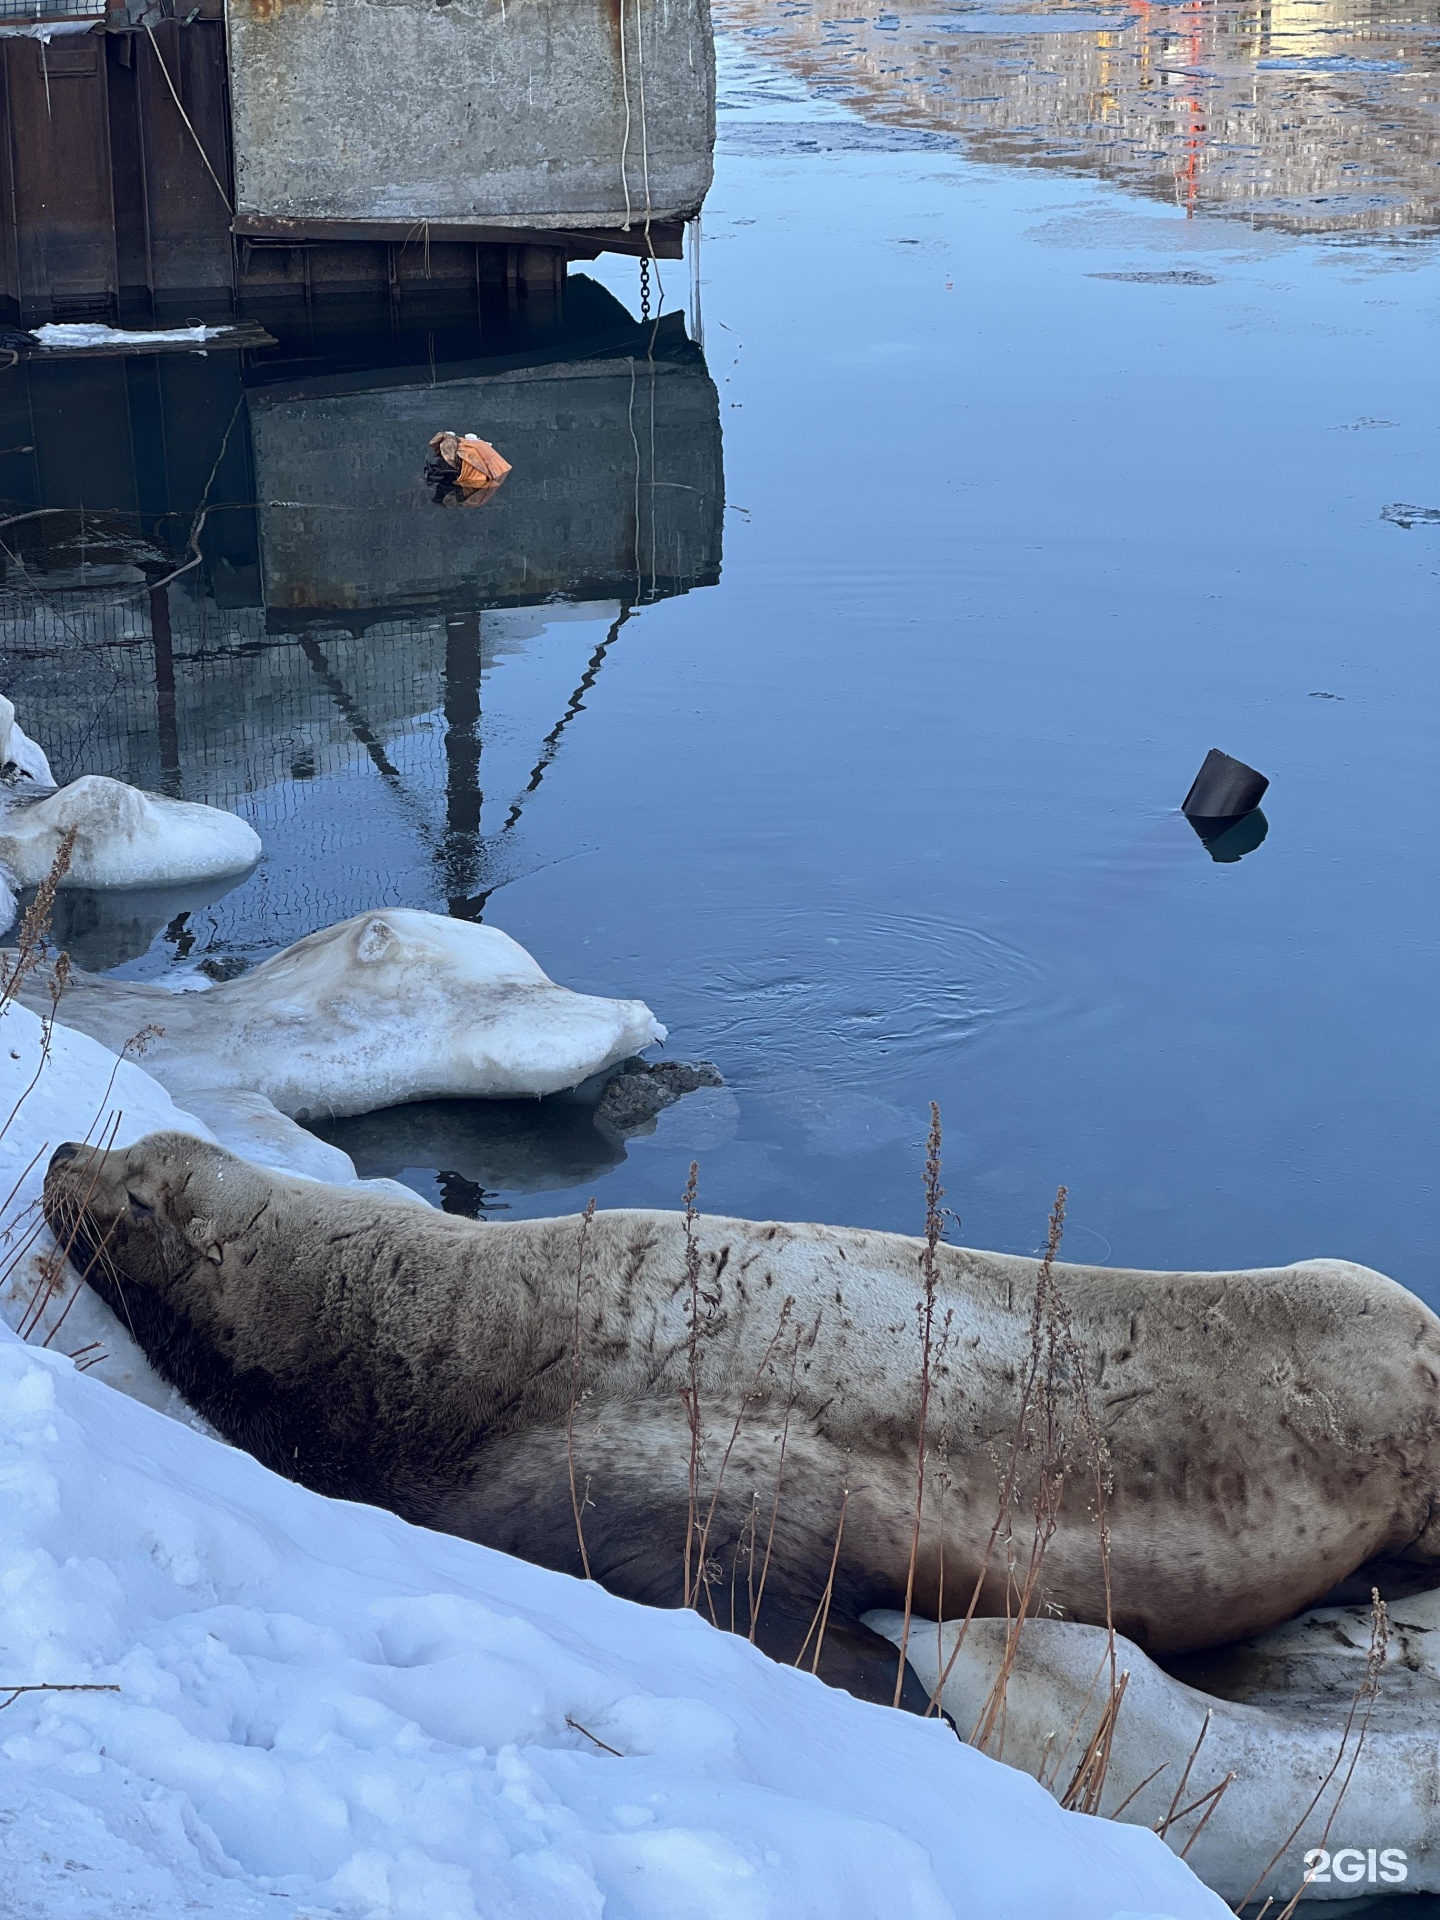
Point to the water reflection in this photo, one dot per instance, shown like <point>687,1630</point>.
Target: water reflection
<point>225,579</point>
<point>1311,116</point>
<point>1227,841</point>
<point>467,1154</point>
<point>104,929</point>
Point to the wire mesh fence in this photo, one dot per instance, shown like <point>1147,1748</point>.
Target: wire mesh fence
<point>250,709</point>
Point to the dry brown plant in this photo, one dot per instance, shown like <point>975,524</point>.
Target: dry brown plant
<point>31,947</point>
<point>699,1309</point>
<point>757,1594</point>
<point>752,1392</point>
<point>925,1309</point>
<point>578,1502</point>
<point>822,1612</point>
<point>1362,1705</point>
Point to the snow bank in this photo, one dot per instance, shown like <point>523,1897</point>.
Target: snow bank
<point>320,1702</point>
<point>378,1010</point>
<point>124,838</point>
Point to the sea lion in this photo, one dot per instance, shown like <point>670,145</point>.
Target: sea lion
<point>1267,1432</point>
<point>377,1010</point>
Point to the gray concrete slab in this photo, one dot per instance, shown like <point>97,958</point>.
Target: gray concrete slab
<point>530,114</point>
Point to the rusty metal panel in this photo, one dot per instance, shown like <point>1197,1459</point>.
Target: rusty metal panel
<point>187,202</point>
<point>537,114</point>
<point>59,155</point>
<point>127,177</point>
<point>109,209</point>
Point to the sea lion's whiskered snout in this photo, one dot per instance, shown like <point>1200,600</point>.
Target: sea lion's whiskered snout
<point>65,1195</point>
<point>71,1183</point>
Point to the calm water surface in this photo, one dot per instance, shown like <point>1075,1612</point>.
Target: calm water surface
<point>1057,442</point>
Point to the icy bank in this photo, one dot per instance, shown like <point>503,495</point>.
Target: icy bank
<point>380,1009</point>
<point>318,1701</point>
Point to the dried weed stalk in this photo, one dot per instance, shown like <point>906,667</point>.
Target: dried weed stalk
<point>822,1612</point>
<point>578,1502</point>
<point>1044,1443</point>
<point>929,1276</point>
<point>30,948</point>
<point>1361,1706</point>
<point>751,1393</point>
<point>12,1693</point>
<point>757,1594</point>
<point>699,1311</point>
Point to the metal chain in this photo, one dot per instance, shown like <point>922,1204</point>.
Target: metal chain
<point>645,288</point>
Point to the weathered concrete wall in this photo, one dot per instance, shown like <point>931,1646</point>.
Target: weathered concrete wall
<point>503,113</point>
<point>617,491</point>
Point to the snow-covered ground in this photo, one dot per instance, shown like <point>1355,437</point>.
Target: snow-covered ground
<point>322,1711</point>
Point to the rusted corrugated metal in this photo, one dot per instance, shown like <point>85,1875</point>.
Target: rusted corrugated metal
<point>118,188</point>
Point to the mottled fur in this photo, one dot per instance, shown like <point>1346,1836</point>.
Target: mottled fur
<point>1269,1431</point>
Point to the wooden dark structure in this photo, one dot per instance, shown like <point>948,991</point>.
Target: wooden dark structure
<point>117,189</point>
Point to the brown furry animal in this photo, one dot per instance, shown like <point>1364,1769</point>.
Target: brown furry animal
<point>1268,1431</point>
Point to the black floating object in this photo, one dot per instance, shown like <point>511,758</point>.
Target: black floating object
<point>1223,789</point>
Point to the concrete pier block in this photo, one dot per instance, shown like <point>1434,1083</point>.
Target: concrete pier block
<point>529,114</point>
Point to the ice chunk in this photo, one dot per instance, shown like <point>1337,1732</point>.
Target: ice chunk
<point>254,1127</point>
<point>87,334</point>
<point>19,755</point>
<point>380,1009</point>
<point>1290,1693</point>
<point>124,838</point>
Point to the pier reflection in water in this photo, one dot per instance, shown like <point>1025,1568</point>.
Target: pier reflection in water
<point>379,684</point>
<point>1310,116</point>
<point>333,626</point>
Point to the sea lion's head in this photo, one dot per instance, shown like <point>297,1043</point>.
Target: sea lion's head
<point>233,1280</point>
<point>166,1232</point>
